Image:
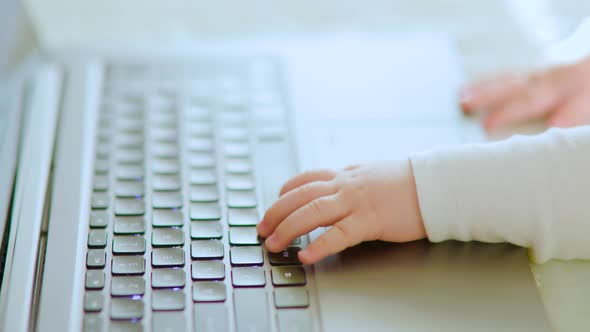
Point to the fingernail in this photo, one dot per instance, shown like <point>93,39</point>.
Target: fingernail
<point>304,255</point>
<point>272,240</point>
<point>261,227</point>
<point>466,96</point>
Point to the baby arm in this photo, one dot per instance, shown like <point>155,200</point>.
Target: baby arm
<point>530,191</point>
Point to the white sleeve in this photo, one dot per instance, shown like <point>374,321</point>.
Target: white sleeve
<point>531,191</point>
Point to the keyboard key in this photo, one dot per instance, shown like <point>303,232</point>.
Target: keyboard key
<point>130,141</point>
<point>166,183</point>
<point>168,278</point>
<point>129,207</point>
<point>248,277</point>
<point>167,237</point>
<point>93,301</point>
<point>294,320</point>
<point>238,166</point>
<point>210,317</point>
<point>288,275</point>
<point>206,249</point>
<point>291,297</point>
<point>94,279</point>
<point>101,183</point>
<point>99,219</point>
<point>96,258</point>
<point>206,230</point>
<point>126,309</point>
<point>119,326</point>
<point>241,199</point>
<point>234,134</point>
<point>167,218</point>
<point>242,217</point>
<point>165,300</point>
<point>203,176</point>
<point>204,193</point>
<point>129,189</point>
<point>128,156</point>
<point>240,182</point>
<point>243,236</point>
<point>97,238</point>
<point>167,166</point>
<point>166,200</point>
<point>205,211</point>
<point>92,323</point>
<point>129,225</point>
<point>165,150</point>
<point>129,172</point>
<point>246,256</point>
<point>201,160</point>
<point>251,310</point>
<point>99,201</point>
<point>208,270</point>
<point>167,257</point>
<point>128,244</point>
<point>236,150</point>
<point>122,265</point>
<point>101,166</point>
<point>285,257</point>
<point>208,291</point>
<point>200,144</point>
<point>159,134</point>
<point>127,286</point>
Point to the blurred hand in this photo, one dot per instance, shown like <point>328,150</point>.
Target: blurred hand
<point>361,203</point>
<point>561,94</point>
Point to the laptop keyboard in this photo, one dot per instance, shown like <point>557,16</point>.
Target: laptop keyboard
<point>172,243</point>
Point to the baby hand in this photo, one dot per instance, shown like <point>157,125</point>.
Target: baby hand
<point>562,94</point>
<point>360,203</point>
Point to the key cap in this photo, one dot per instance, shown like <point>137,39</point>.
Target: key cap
<point>200,144</point>
<point>294,320</point>
<point>167,166</point>
<point>251,310</point>
<point>239,182</point>
<point>242,217</point>
<point>96,258</point>
<point>241,199</point>
<point>285,257</point>
<point>208,291</point>
<point>126,156</point>
<point>102,150</point>
<point>129,207</point>
<point>130,172</point>
<point>166,200</point>
<point>167,257</point>
<point>243,236</point>
<point>251,276</point>
<point>129,225</point>
<point>210,317</point>
<point>101,166</point>
<point>92,323</point>
<point>127,189</point>
<point>204,193</point>
<point>133,326</point>
<point>167,218</point>
<point>205,211</point>
<point>246,256</point>
<point>291,297</point>
<point>288,275</point>
<point>199,129</point>
<point>206,230</point>
<point>238,166</point>
<point>200,176</point>
<point>166,183</point>
<point>127,286</point>
<point>168,278</point>
<point>94,279</point>
<point>165,150</point>
<point>167,237</point>
<point>236,150</point>
<point>206,249</point>
<point>130,141</point>
<point>164,134</point>
<point>201,160</point>
<point>93,301</point>
<point>128,244</point>
<point>97,238</point>
<point>126,309</point>
<point>99,201</point>
<point>128,265</point>
<point>101,183</point>
<point>164,300</point>
<point>99,219</point>
<point>234,134</point>
<point>208,270</point>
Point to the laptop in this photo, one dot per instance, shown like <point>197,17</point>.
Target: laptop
<point>132,182</point>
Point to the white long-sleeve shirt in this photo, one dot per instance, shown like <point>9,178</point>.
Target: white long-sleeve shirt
<point>533,191</point>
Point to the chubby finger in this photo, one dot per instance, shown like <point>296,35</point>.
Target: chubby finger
<point>292,201</point>
<point>342,235</point>
<point>488,93</point>
<point>307,177</point>
<point>320,212</point>
<point>573,113</point>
